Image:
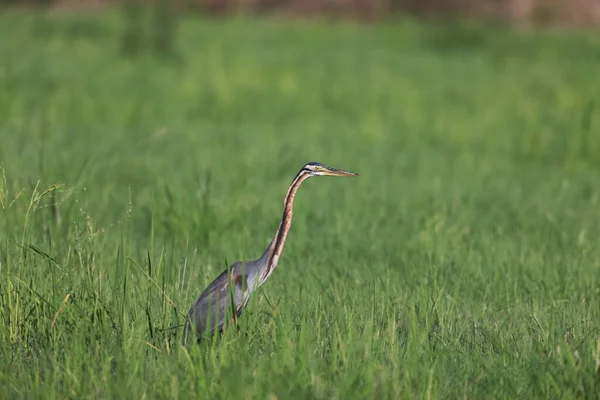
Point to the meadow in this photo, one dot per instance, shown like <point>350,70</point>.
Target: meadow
<point>463,262</point>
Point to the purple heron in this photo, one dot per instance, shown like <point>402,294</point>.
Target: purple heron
<point>229,293</point>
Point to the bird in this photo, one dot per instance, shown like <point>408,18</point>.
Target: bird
<point>230,292</point>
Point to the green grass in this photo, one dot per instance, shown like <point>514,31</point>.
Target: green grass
<point>463,262</point>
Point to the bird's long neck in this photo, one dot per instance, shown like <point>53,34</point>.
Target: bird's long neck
<point>276,246</point>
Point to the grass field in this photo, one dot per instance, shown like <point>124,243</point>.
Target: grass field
<point>463,262</point>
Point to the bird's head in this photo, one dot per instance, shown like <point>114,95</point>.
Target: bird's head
<point>318,169</point>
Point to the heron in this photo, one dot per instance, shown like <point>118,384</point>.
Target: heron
<point>230,292</point>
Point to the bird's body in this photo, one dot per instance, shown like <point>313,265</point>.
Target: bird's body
<point>229,293</point>
<point>216,299</point>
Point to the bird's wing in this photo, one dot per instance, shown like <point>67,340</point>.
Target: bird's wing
<point>216,299</point>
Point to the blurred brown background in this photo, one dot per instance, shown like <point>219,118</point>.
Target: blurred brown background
<point>522,12</point>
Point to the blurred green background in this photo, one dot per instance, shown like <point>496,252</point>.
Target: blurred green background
<point>139,155</point>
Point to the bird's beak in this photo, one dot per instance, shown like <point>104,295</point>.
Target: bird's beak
<point>338,172</point>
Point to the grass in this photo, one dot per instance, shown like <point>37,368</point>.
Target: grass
<point>463,262</point>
